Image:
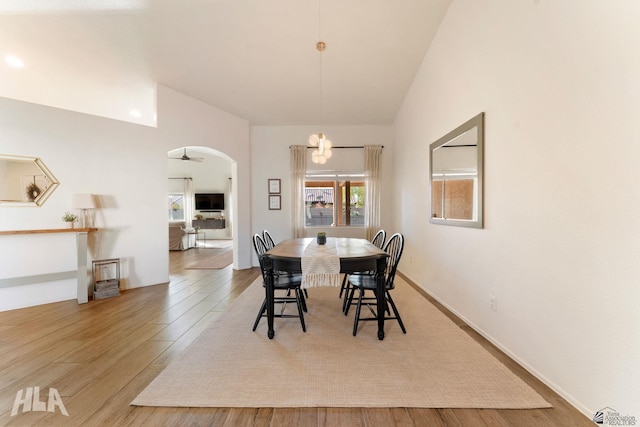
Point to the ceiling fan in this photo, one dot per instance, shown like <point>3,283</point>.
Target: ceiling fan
<point>187,158</point>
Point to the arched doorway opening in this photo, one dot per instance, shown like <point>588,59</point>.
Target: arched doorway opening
<point>203,173</point>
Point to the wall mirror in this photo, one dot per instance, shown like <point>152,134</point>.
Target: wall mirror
<point>455,170</point>
<point>25,181</point>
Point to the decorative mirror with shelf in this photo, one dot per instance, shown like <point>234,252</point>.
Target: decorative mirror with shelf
<point>25,181</point>
<point>456,171</point>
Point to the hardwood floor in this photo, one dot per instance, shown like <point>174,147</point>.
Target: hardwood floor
<point>100,355</point>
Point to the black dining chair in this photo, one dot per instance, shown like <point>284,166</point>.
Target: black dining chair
<point>270,243</point>
<point>368,282</point>
<point>287,283</point>
<point>268,240</point>
<point>378,241</point>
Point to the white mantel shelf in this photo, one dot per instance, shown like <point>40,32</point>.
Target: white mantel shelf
<point>81,247</point>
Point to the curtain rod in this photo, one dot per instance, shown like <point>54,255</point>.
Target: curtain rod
<point>186,177</point>
<point>339,146</point>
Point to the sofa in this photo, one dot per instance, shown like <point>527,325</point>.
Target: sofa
<point>179,240</point>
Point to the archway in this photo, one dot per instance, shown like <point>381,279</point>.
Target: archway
<point>209,171</point>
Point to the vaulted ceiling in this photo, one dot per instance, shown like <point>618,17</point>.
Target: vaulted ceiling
<point>256,59</point>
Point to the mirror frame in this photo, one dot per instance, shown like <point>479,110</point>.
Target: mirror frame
<point>42,197</point>
<point>478,123</point>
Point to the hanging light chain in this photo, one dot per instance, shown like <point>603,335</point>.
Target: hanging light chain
<point>319,140</point>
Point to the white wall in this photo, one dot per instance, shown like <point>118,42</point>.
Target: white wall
<point>559,83</point>
<point>125,165</point>
<point>116,161</point>
<point>184,121</point>
<point>270,159</point>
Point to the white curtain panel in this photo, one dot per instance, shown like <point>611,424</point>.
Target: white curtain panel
<point>188,202</point>
<point>298,172</point>
<point>372,196</point>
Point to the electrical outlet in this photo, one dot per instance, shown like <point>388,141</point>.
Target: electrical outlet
<point>493,302</point>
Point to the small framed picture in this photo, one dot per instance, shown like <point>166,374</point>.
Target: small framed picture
<point>274,186</point>
<point>274,203</point>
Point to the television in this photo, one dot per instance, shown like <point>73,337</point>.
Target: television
<point>209,201</point>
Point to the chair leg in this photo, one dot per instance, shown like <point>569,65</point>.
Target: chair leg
<point>303,300</point>
<point>345,299</point>
<point>358,307</point>
<point>303,295</point>
<point>347,289</point>
<point>260,313</point>
<point>395,311</point>
<point>300,311</point>
<point>344,285</point>
<point>348,301</point>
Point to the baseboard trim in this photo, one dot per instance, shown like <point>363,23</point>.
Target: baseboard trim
<point>38,278</point>
<point>460,319</point>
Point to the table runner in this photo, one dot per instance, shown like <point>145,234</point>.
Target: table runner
<point>320,265</point>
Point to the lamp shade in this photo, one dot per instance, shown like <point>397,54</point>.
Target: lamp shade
<point>82,201</point>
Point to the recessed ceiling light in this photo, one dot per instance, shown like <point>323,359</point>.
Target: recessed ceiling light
<point>14,61</point>
<point>135,113</point>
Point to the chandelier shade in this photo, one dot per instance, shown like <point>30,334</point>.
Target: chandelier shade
<point>324,148</point>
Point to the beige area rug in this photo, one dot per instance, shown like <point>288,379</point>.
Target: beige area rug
<point>435,365</point>
<point>219,258</point>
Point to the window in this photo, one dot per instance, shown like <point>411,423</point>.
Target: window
<point>452,195</point>
<point>338,202</point>
<point>452,198</point>
<point>176,207</point>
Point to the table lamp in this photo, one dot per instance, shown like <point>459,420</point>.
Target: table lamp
<point>83,202</point>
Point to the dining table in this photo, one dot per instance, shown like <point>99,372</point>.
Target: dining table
<point>355,255</point>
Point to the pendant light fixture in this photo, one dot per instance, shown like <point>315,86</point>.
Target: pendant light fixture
<point>323,152</point>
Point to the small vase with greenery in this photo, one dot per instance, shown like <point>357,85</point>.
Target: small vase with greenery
<point>70,218</point>
<point>321,238</point>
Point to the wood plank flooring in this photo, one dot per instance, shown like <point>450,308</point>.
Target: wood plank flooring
<point>100,355</point>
